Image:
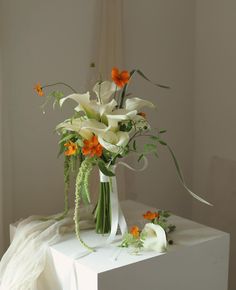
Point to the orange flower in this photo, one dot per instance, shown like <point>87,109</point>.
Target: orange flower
<point>39,89</point>
<point>150,215</point>
<point>72,147</point>
<point>135,231</point>
<point>142,114</point>
<point>120,78</point>
<point>92,147</point>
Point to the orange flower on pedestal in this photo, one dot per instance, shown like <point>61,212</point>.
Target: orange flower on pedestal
<point>135,231</point>
<point>150,215</point>
<point>120,78</point>
<point>92,147</point>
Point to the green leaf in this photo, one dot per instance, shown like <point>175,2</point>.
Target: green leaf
<point>104,169</point>
<point>162,131</point>
<point>125,126</point>
<point>155,153</point>
<point>61,149</point>
<point>155,138</point>
<point>67,138</point>
<point>147,79</point>
<point>162,142</point>
<point>148,148</point>
<point>140,157</point>
<point>84,196</point>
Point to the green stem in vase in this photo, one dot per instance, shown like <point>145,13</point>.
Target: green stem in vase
<point>103,211</point>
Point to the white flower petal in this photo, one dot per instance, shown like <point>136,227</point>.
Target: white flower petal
<point>84,104</point>
<point>114,142</point>
<point>85,128</point>
<point>137,104</point>
<point>119,115</point>
<point>104,90</point>
<point>77,98</point>
<point>155,238</point>
<point>94,126</point>
<point>107,108</point>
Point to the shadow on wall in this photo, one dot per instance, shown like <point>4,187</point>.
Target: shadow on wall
<point>221,190</point>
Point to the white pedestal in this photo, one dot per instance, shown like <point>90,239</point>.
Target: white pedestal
<point>198,260</point>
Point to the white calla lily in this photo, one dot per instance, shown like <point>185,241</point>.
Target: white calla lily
<point>137,104</point>
<point>114,142</point>
<point>84,127</point>
<point>84,104</point>
<point>155,238</point>
<point>91,108</point>
<point>119,115</point>
<point>107,108</point>
<point>104,90</point>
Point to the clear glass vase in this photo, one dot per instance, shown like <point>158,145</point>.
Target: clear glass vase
<point>103,208</point>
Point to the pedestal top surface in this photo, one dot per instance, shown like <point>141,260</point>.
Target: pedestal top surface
<point>105,258</point>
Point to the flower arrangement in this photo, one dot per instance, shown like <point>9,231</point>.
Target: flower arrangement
<point>105,127</point>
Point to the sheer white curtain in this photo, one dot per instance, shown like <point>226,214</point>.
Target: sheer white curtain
<point>108,53</point>
<point>111,54</point>
<point>110,37</point>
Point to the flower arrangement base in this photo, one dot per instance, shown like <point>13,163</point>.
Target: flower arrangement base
<point>103,209</point>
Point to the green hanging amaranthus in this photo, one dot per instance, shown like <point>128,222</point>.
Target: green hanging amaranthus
<point>82,192</point>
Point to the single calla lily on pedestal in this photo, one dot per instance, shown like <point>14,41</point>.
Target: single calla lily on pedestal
<point>155,238</point>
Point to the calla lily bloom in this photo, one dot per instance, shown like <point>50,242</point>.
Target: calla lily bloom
<point>119,115</point>
<point>104,91</point>
<point>114,141</point>
<point>137,103</point>
<point>84,127</point>
<point>155,238</point>
<point>92,108</point>
<point>84,104</point>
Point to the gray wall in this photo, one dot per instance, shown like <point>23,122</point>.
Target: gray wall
<point>43,41</point>
<point>1,137</point>
<point>215,118</point>
<point>159,39</point>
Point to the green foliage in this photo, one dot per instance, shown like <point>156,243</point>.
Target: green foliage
<point>102,166</point>
<point>162,221</point>
<point>126,126</point>
<point>67,170</point>
<point>140,73</point>
<point>81,184</point>
<point>131,241</point>
<point>55,96</point>
<point>68,137</point>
